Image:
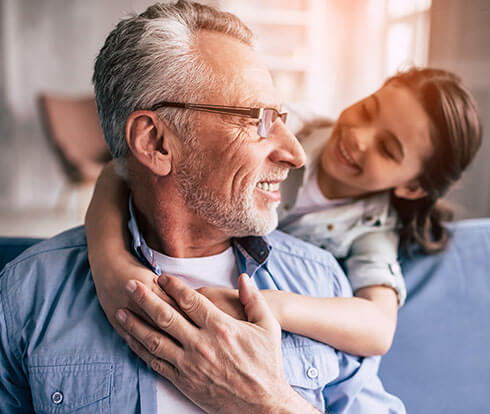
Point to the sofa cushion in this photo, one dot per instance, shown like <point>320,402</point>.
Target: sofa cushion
<point>439,361</point>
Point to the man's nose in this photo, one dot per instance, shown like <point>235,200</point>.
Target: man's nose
<point>288,151</point>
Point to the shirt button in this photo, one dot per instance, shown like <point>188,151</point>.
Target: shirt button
<point>330,227</point>
<point>312,372</point>
<point>287,207</point>
<point>57,397</point>
<point>368,218</point>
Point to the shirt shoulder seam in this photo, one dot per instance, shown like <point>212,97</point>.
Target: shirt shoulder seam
<point>22,259</point>
<point>7,315</point>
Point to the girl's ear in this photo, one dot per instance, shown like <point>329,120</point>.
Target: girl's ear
<point>148,138</point>
<point>411,190</point>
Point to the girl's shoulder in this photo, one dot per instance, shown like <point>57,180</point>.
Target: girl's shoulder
<point>336,228</point>
<point>377,208</point>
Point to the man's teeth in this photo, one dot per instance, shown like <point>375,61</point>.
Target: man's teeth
<point>346,155</point>
<point>263,185</point>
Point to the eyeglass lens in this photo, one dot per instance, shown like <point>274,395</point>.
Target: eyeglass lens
<point>268,118</point>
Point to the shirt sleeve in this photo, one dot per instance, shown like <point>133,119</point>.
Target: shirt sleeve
<point>373,260</point>
<point>15,396</point>
<point>358,389</point>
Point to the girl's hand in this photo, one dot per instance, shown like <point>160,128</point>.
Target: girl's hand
<point>225,299</point>
<point>111,288</point>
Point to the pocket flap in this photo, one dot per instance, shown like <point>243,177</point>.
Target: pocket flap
<point>307,363</point>
<point>65,388</point>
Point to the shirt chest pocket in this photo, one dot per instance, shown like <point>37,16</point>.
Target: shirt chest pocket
<point>333,237</point>
<point>309,366</point>
<point>84,388</point>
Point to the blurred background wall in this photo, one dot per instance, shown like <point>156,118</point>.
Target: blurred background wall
<point>326,53</point>
<point>460,41</point>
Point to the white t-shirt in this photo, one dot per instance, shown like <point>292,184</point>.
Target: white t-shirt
<point>217,270</point>
<point>310,198</point>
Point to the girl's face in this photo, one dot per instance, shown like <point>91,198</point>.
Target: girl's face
<point>378,143</point>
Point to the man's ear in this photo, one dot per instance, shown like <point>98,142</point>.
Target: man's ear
<point>148,138</point>
<point>411,190</point>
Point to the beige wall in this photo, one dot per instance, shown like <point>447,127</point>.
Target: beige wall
<point>460,41</point>
<point>51,45</point>
<point>45,45</point>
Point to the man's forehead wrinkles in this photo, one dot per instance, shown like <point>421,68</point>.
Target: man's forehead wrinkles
<point>258,103</point>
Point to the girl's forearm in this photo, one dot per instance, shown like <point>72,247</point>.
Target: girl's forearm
<point>111,262</point>
<point>107,217</point>
<point>358,325</point>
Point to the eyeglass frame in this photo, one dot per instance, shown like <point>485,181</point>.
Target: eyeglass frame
<point>254,113</point>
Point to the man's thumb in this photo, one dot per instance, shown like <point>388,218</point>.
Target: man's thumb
<point>254,304</point>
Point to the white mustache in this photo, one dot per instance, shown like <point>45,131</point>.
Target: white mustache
<point>278,175</point>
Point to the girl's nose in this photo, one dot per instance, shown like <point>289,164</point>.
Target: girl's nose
<point>361,146</point>
<point>362,138</point>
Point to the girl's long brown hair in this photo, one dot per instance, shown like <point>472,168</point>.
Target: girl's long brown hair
<point>456,136</point>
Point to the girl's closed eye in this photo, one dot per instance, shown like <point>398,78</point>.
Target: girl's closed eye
<point>392,151</point>
<point>387,152</point>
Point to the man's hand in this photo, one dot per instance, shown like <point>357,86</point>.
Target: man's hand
<point>110,288</point>
<point>222,364</point>
<point>225,299</point>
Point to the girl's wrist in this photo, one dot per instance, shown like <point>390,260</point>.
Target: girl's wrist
<point>273,300</point>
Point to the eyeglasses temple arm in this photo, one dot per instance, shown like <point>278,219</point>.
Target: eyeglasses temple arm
<point>249,112</point>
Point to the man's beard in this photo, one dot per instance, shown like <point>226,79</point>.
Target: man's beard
<point>236,218</point>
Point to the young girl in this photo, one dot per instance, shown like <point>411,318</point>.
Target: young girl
<point>372,178</point>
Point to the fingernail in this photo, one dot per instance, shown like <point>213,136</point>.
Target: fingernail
<point>127,338</point>
<point>131,286</point>
<point>121,316</point>
<point>162,280</point>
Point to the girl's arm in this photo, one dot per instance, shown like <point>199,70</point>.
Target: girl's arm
<point>111,262</point>
<point>363,325</point>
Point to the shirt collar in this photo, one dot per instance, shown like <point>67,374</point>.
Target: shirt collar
<point>252,251</point>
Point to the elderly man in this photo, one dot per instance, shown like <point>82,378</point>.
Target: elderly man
<point>191,115</point>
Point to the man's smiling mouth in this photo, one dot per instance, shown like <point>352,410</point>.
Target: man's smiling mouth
<point>268,186</point>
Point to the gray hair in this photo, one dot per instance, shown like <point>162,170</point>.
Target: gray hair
<point>152,57</point>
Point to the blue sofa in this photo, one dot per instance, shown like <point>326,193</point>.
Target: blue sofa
<point>440,358</point>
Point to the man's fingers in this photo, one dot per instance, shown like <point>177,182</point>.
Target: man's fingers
<point>155,288</point>
<point>163,315</point>
<point>155,342</point>
<point>255,305</point>
<point>160,366</point>
<point>195,305</point>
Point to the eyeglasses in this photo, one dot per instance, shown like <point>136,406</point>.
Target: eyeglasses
<point>266,116</point>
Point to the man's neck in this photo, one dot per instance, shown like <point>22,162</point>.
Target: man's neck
<point>169,227</point>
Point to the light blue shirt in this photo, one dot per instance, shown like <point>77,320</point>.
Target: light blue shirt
<point>58,352</point>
